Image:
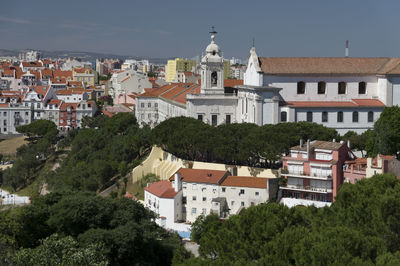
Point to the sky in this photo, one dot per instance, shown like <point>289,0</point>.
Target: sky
<point>175,28</point>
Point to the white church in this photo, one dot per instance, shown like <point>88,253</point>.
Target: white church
<point>342,93</point>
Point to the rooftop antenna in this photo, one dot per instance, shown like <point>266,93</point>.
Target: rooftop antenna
<point>254,42</point>
<point>347,48</point>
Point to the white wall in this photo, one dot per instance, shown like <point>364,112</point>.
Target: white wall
<point>236,200</point>
<point>289,87</point>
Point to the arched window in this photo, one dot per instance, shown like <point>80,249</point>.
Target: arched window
<point>362,88</point>
<point>340,116</point>
<point>370,116</point>
<point>301,87</point>
<point>321,87</point>
<point>214,78</point>
<point>283,116</point>
<point>355,117</point>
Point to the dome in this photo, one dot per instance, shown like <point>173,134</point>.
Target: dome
<point>212,48</point>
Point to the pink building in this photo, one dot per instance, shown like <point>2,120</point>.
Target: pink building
<point>314,171</point>
<point>360,168</point>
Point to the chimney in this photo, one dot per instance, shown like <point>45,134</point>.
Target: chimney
<point>178,182</point>
<point>347,48</point>
<point>348,144</point>
<point>301,143</point>
<point>308,149</point>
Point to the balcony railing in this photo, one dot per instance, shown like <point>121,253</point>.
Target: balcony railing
<point>306,188</point>
<point>306,175</point>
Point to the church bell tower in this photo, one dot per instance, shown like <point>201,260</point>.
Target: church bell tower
<point>212,69</point>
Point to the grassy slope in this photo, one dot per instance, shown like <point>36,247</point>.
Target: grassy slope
<point>9,146</point>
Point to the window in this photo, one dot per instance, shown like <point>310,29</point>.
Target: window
<point>301,87</point>
<point>362,87</point>
<point>242,203</point>
<point>324,116</point>
<point>156,105</point>
<point>223,189</point>
<point>200,117</point>
<point>5,129</point>
<point>5,113</point>
<point>149,116</point>
<point>38,105</point>
<point>204,211</point>
<point>283,116</point>
<point>228,119</point>
<point>156,116</point>
<point>142,105</point>
<point>142,116</point>
<point>194,198</point>
<point>342,88</point>
<point>309,116</point>
<point>194,210</point>
<point>5,122</point>
<point>340,117</point>
<point>204,198</point>
<point>321,87</point>
<point>257,193</point>
<point>232,202</point>
<point>241,191</point>
<point>370,116</point>
<point>149,105</point>
<point>214,120</point>
<point>355,117</point>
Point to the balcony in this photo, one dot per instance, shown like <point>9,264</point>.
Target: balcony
<point>306,189</point>
<point>308,176</point>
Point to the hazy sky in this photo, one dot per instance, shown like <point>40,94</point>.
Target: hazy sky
<point>169,28</point>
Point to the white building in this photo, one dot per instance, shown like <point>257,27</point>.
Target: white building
<point>128,82</point>
<point>165,200</point>
<point>342,93</point>
<point>213,191</point>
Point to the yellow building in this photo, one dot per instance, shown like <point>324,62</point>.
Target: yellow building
<point>227,69</point>
<point>178,64</point>
<point>87,75</point>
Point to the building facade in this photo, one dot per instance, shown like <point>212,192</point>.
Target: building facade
<point>314,171</point>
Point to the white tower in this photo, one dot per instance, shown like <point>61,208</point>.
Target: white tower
<point>212,69</point>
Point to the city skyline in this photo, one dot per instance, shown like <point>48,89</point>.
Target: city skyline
<point>160,29</point>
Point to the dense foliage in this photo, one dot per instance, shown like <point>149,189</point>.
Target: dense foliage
<point>385,138</point>
<point>102,152</point>
<point>244,144</point>
<point>361,228</point>
<point>83,229</point>
<point>30,157</point>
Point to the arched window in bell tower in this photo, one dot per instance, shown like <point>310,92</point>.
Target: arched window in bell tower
<point>214,78</point>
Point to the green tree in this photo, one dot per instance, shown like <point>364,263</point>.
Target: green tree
<point>385,138</point>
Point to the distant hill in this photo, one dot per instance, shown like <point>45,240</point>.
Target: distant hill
<point>86,56</point>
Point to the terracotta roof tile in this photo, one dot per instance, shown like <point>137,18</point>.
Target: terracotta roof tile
<point>319,144</point>
<point>201,175</point>
<point>245,181</point>
<point>161,189</point>
<point>232,82</point>
<point>328,65</point>
<point>32,64</point>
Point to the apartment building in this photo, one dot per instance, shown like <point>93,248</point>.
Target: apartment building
<point>205,191</point>
<point>314,171</point>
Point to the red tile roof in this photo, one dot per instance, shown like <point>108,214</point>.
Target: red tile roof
<point>55,102</point>
<point>62,74</point>
<point>65,105</point>
<point>201,175</point>
<point>232,82</point>
<point>32,64</point>
<point>41,90</point>
<point>329,65</point>
<point>245,181</point>
<point>161,189</point>
<point>368,102</point>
